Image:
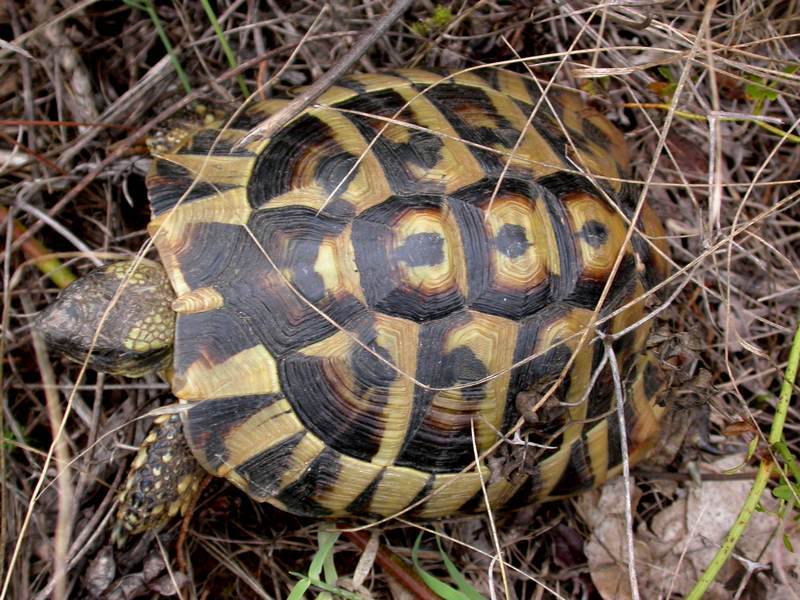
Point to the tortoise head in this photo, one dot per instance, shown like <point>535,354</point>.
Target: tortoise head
<point>137,334</point>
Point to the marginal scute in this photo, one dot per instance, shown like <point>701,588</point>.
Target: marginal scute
<point>363,298</point>
<point>251,371</point>
<point>199,300</point>
<point>397,489</point>
<point>449,491</point>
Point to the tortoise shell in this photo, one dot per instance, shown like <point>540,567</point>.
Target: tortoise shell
<point>363,297</point>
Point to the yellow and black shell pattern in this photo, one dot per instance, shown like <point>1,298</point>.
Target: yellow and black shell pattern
<point>361,297</point>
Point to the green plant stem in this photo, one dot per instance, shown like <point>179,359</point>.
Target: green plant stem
<point>762,476</point>
<point>795,139</point>
<point>147,6</point>
<point>226,49</point>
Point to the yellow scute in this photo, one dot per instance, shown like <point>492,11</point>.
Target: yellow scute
<point>251,371</point>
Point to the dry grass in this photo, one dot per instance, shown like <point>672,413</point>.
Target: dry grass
<point>708,94</point>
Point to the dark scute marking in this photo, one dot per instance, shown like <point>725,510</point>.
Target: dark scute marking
<point>468,206</point>
<point>534,89</point>
<point>430,432</point>
<point>213,253</point>
<point>462,366</point>
<point>206,423</point>
<point>587,291</point>
<point>459,105</point>
<point>371,372</point>
<point>318,390</point>
<point>320,476</point>
<point>421,249</point>
<point>422,494</point>
<point>595,134</point>
<point>307,281</point>
<point>416,306</point>
<point>212,336</point>
<point>259,305</point>
<point>171,182</point>
<point>626,345</point>
<point>422,149</point>
<point>205,142</point>
<point>529,491</point>
<point>512,241</point>
<point>428,149</point>
<point>249,119</point>
<point>335,172</point>
<point>577,475</point>
<point>569,264</point>
<point>534,375</point>
<point>353,85</point>
<point>263,472</point>
<point>508,136</point>
<point>550,131</point>
<point>279,165</point>
<point>285,322</point>
<point>362,502</point>
<point>594,233</point>
<point>563,184</point>
<point>602,397</point>
<point>653,380</point>
<point>382,277</point>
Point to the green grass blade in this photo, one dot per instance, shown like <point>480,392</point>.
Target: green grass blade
<point>226,49</point>
<point>438,587</point>
<point>147,6</point>
<point>464,586</point>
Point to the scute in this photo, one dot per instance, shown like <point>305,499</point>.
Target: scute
<point>364,297</point>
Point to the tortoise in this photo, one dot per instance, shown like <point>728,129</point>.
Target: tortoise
<point>351,311</point>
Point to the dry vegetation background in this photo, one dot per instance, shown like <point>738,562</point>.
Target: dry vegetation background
<point>707,94</point>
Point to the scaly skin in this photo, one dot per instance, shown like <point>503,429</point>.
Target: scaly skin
<point>163,481</point>
<point>137,334</point>
<point>135,338</point>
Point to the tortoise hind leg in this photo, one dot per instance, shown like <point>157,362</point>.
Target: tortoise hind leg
<point>163,481</point>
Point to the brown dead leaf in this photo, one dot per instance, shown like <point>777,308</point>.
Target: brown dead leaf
<point>689,155</point>
<point>606,550</point>
<point>681,540</point>
<point>101,572</point>
<point>684,537</point>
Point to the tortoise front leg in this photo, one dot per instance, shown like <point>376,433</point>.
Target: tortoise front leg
<point>163,481</point>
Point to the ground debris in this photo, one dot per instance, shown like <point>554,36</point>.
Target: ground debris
<point>677,544</point>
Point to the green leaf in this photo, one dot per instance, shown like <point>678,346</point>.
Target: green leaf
<point>463,585</point>
<point>751,448</point>
<point>442,16</point>
<point>666,73</point>
<point>783,492</point>
<point>757,90</point>
<point>326,540</point>
<point>300,588</point>
<point>788,543</point>
<point>438,587</point>
<point>328,566</point>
